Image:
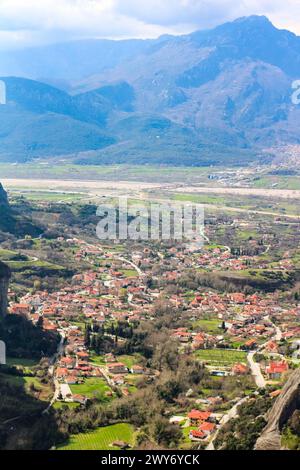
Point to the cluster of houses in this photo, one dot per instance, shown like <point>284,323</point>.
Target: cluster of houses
<point>242,319</point>
<point>222,259</point>
<point>205,424</point>
<point>104,293</point>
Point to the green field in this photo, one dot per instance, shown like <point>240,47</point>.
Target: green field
<point>186,441</point>
<point>91,388</point>
<point>27,265</point>
<point>129,272</point>
<point>278,182</point>
<point>221,356</point>
<point>48,196</point>
<point>105,172</point>
<point>97,359</point>
<point>129,361</point>
<point>15,361</point>
<point>32,385</point>
<point>208,326</point>
<point>6,255</point>
<point>58,405</point>
<point>101,439</point>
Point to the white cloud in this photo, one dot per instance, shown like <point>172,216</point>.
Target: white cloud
<point>208,13</point>
<point>24,22</point>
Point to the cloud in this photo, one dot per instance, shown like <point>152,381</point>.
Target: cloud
<point>35,21</point>
<point>208,13</point>
<point>173,12</point>
<point>26,22</point>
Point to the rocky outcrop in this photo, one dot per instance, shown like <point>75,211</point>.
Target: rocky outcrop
<point>7,222</point>
<point>3,196</point>
<point>284,406</point>
<point>4,282</point>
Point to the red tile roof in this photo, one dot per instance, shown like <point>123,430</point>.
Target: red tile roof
<point>201,415</point>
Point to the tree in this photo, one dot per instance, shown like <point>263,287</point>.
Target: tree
<point>165,433</point>
<point>87,335</point>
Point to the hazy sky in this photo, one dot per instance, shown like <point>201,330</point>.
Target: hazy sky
<point>34,22</point>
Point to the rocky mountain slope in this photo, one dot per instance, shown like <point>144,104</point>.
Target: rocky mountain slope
<point>7,221</point>
<point>14,221</point>
<point>283,408</point>
<point>4,282</point>
<point>212,97</point>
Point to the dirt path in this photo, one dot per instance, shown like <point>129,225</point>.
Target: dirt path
<point>76,185</point>
<point>272,193</point>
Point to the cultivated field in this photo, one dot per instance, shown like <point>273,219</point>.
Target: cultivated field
<point>221,356</point>
<point>101,439</point>
<point>91,388</point>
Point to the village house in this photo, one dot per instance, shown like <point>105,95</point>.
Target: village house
<point>82,356</point>
<point>136,369</point>
<point>71,380</point>
<point>250,344</point>
<point>207,428</point>
<point>197,417</point>
<point>196,435</point>
<point>61,372</point>
<point>68,362</point>
<point>272,347</point>
<point>275,370</point>
<point>117,368</point>
<point>80,399</point>
<point>118,380</point>
<point>20,309</point>
<point>239,369</point>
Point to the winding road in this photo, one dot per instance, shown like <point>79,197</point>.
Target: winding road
<point>259,380</point>
<point>255,370</point>
<point>255,367</point>
<point>133,265</point>
<point>53,360</point>
<point>232,413</point>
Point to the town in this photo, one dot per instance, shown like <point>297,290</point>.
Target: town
<point>128,308</point>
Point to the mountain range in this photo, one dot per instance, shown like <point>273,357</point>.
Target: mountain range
<point>220,96</point>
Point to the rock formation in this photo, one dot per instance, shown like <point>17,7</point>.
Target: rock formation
<point>3,196</point>
<point>7,223</point>
<point>284,406</point>
<point>4,282</point>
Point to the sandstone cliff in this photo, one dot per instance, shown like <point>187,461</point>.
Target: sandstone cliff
<point>284,406</point>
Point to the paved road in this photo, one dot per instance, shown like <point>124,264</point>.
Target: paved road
<point>255,370</point>
<point>255,367</point>
<point>124,260</point>
<point>278,335</point>
<point>106,376</point>
<point>259,380</point>
<point>232,413</point>
<point>53,361</point>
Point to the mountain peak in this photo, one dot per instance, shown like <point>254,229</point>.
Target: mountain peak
<point>248,23</point>
<point>254,19</point>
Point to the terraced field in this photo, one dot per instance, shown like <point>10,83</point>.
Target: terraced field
<point>101,439</point>
<point>221,356</point>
